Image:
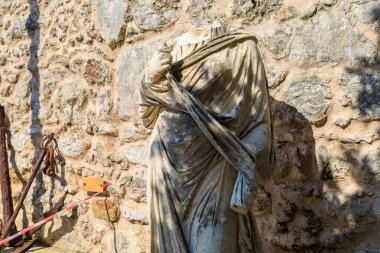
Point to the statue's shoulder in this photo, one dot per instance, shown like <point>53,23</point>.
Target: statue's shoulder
<point>215,32</point>
<point>237,30</point>
<point>242,32</point>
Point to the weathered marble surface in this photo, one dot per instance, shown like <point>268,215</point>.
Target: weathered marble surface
<point>204,168</point>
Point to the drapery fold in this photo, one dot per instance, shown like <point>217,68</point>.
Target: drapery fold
<point>211,142</point>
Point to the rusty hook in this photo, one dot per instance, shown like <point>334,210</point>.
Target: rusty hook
<point>47,140</point>
<point>49,168</point>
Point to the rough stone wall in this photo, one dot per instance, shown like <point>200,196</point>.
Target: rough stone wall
<point>74,67</point>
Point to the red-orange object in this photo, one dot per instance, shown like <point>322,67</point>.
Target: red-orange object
<point>93,184</point>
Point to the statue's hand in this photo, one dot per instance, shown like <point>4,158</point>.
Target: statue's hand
<point>160,64</point>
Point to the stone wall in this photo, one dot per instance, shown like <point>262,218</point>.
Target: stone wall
<point>74,67</point>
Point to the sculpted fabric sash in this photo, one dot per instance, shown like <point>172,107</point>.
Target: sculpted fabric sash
<point>227,144</point>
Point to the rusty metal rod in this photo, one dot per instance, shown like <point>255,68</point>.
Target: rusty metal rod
<point>5,181</point>
<point>24,247</point>
<point>55,209</point>
<point>26,189</point>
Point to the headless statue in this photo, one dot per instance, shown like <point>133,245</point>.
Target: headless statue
<point>205,95</point>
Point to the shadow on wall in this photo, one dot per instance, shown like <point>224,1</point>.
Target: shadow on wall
<point>322,202</point>
<point>304,205</point>
<point>33,29</point>
<point>292,205</point>
<point>366,97</point>
<point>363,86</point>
<point>12,152</point>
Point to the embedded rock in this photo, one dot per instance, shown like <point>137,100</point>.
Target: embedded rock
<point>130,133</point>
<point>22,93</point>
<point>278,43</point>
<point>135,216</point>
<point>293,235</point>
<point>353,210</point>
<point>51,77</point>
<point>137,154</point>
<point>137,194</point>
<point>309,10</point>
<point>102,152</point>
<point>315,43</point>
<point>371,165</point>
<point>73,145</point>
<point>154,15</point>
<point>135,184</point>
<point>131,239</point>
<point>10,77</point>
<point>367,247</point>
<point>275,76</point>
<point>328,2</point>
<point>358,138</point>
<point>331,166</point>
<point>342,122</point>
<point>120,242</point>
<point>110,19</point>
<point>262,202</point>
<point>58,235</point>
<point>294,240</point>
<point>311,96</point>
<point>254,11</point>
<point>338,169</point>
<point>19,142</point>
<point>198,12</point>
<point>7,90</point>
<point>96,73</point>
<point>367,12</point>
<point>3,60</point>
<point>105,105</point>
<point>105,209</point>
<point>47,114</point>
<point>138,179</point>
<point>71,100</point>
<point>129,77</point>
<point>16,31</point>
<point>107,129</point>
<point>363,93</point>
<point>286,13</point>
<point>6,22</point>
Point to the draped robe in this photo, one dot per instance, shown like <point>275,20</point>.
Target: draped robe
<point>210,144</point>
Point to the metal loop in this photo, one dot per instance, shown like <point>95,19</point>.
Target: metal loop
<point>47,140</point>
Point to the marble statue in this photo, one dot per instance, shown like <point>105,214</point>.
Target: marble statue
<point>205,96</point>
